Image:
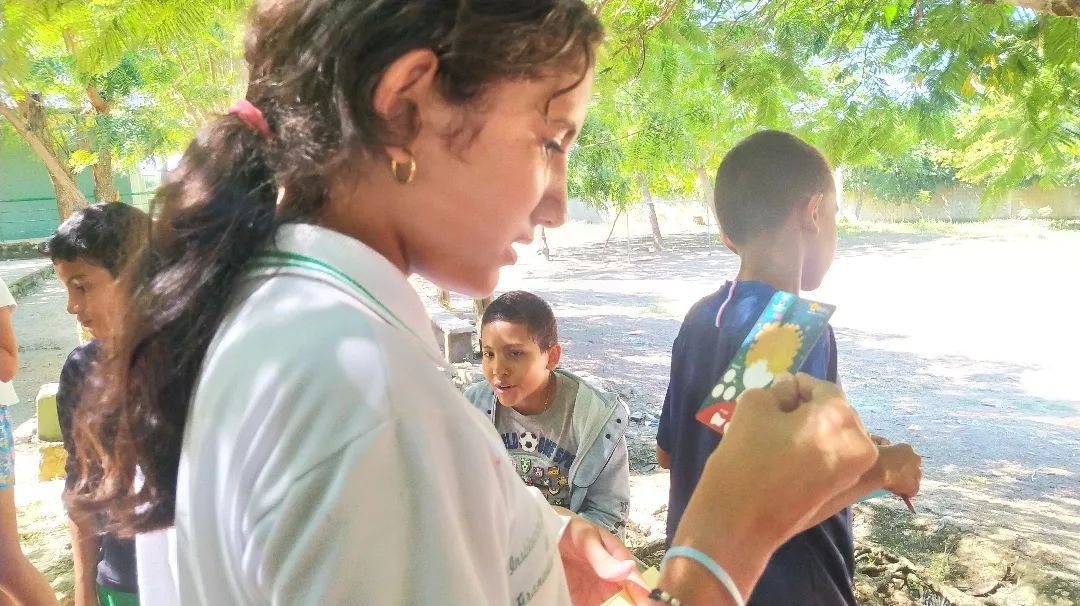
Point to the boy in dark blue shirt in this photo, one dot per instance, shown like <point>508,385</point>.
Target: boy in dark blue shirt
<point>776,202</point>
<point>90,251</point>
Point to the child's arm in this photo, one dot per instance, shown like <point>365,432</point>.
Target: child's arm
<point>607,501</point>
<point>85,547</point>
<point>663,458</point>
<point>84,556</point>
<point>9,348</point>
<point>664,432</point>
<point>898,470</point>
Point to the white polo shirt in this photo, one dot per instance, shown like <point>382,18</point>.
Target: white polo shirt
<point>328,460</point>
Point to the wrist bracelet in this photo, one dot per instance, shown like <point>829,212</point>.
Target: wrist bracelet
<point>721,575</point>
<point>664,597</point>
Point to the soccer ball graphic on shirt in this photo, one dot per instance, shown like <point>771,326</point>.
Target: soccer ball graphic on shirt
<point>528,441</point>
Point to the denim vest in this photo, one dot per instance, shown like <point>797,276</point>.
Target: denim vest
<point>599,423</point>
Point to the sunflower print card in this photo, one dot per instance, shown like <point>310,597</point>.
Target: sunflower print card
<point>780,341</point>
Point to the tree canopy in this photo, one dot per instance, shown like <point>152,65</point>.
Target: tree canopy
<point>107,83</point>
<point>985,92</point>
<point>993,88</point>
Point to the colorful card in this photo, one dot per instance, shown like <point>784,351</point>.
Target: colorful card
<point>780,341</point>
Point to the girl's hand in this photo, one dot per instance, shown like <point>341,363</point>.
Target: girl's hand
<point>597,564</point>
<point>787,451</point>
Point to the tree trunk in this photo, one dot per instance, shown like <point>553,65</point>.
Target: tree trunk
<point>544,248</point>
<point>33,130</point>
<point>444,299</point>
<point>858,205</point>
<point>658,239</point>
<point>479,307</point>
<point>68,198</point>
<point>614,223</point>
<point>104,186</point>
<point>840,184</point>
<point>708,193</point>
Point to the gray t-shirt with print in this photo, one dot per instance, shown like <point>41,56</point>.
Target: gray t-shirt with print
<point>543,446</point>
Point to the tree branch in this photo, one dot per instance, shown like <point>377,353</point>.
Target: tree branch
<point>57,169</point>
<point>665,12</point>
<point>101,106</point>
<point>52,163</point>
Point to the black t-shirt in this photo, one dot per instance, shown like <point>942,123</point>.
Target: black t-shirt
<point>116,557</point>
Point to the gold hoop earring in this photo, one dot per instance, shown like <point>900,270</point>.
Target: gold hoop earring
<point>410,172</point>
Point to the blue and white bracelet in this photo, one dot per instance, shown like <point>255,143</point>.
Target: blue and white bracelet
<point>721,575</point>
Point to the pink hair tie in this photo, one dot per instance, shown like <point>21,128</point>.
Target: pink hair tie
<point>251,116</point>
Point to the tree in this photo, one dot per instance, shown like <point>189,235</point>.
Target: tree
<point>910,177</point>
<point>633,147</point>
<point>28,120</point>
<point>106,84</point>
<point>866,81</point>
<point>1015,78</point>
<point>702,80</point>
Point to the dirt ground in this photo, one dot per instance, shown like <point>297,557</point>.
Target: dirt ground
<point>961,343</point>
<point>46,335</point>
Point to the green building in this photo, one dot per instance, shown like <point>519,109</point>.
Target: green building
<point>28,202</point>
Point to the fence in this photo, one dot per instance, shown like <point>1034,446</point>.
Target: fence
<point>30,218</point>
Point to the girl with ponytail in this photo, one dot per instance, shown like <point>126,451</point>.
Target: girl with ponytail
<point>275,393</point>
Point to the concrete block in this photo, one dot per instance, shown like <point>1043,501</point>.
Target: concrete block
<point>48,423</point>
<point>457,346</point>
<point>53,459</point>
<point>454,336</point>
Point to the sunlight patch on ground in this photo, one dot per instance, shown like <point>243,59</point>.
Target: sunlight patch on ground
<point>1054,383</point>
<point>651,360</point>
<point>600,310</point>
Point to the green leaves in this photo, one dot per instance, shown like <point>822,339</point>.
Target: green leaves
<point>1061,41</point>
<point>889,13</point>
<point>136,75</point>
<point>119,79</point>
<point>160,24</point>
<point>81,158</point>
<point>993,89</point>
<point>912,176</point>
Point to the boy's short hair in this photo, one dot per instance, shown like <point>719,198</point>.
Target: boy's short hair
<point>525,308</point>
<point>762,178</point>
<point>106,234</point>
